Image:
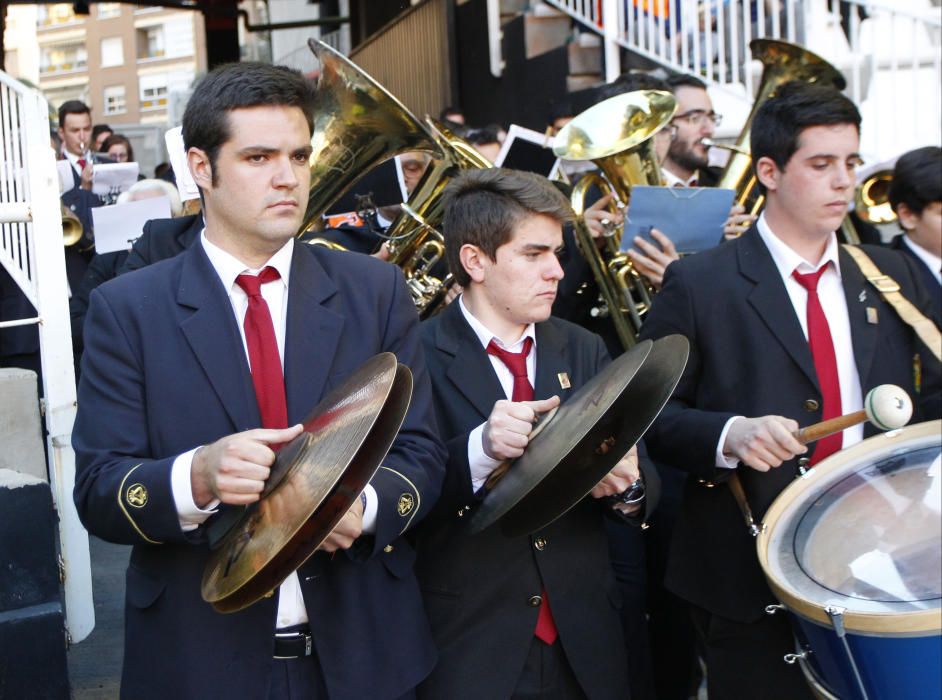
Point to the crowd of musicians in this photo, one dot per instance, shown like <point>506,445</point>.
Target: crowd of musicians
<point>205,345</point>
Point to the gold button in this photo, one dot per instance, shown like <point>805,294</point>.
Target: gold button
<point>811,405</point>
<point>269,594</point>
<point>388,548</point>
<point>539,543</point>
<point>534,601</point>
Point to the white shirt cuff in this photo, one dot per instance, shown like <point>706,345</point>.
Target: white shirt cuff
<point>722,461</point>
<point>481,465</point>
<point>191,516</point>
<point>369,510</point>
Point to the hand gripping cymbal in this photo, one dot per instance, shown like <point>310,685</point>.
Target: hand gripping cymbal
<point>585,438</point>
<point>313,483</point>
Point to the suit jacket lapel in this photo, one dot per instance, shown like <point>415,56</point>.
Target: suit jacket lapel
<point>470,369</point>
<point>771,301</point>
<point>859,294</point>
<point>551,362</point>
<point>214,338</point>
<point>312,333</point>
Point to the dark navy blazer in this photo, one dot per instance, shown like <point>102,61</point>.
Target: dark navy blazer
<point>165,371</point>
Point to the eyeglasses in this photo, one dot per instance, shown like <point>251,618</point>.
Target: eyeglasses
<point>696,117</point>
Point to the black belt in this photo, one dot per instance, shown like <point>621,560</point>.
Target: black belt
<point>293,645</point>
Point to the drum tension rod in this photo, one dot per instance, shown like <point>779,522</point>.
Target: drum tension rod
<point>836,616</point>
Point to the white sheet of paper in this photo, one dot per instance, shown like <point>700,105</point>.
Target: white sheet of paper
<point>119,225</point>
<point>66,181</point>
<point>113,178</point>
<point>185,184</point>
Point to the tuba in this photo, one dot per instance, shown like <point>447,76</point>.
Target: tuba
<point>783,62</point>
<point>617,135</point>
<point>358,124</point>
<point>415,241</point>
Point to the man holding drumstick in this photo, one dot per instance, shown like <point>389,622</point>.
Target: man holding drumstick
<point>784,330</point>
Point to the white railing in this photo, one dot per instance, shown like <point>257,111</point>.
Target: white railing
<point>31,252</point>
<point>890,56</point>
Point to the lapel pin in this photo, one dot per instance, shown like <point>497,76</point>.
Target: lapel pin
<point>863,296</point>
<point>871,315</point>
<point>564,380</point>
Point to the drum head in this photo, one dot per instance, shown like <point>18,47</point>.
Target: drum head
<point>863,531</point>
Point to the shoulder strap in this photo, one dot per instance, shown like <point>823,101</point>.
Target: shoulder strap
<point>926,330</point>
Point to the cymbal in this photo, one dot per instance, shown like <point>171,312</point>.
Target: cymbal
<point>313,483</point>
<point>584,440</point>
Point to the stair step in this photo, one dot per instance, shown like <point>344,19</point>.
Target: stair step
<point>541,9</point>
<point>584,60</point>
<point>575,83</point>
<point>544,34</point>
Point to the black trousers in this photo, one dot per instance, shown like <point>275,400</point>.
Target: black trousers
<point>744,660</point>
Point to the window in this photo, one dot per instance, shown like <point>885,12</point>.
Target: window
<point>153,92</point>
<point>150,42</point>
<point>62,57</point>
<point>114,99</point>
<point>60,13</point>
<point>107,10</point>
<point>112,51</point>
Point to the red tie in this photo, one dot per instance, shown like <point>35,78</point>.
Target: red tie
<point>81,164</point>
<point>825,362</point>
<point>264,359</point>
<point>523,391</point>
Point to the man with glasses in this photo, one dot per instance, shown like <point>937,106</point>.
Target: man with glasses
<point>687,164</point>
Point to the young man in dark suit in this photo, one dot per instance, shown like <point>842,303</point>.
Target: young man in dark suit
<point>195,367</point>
<point>752,377</point>
<point>534,616</point>
<point>916,197</point>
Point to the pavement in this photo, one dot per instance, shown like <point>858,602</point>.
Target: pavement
<point>95,662</point>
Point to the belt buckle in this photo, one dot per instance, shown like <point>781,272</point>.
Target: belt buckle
<point>308,643</point>
<point>884,284</point>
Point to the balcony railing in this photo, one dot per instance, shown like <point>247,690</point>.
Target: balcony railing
<point>889,52</point>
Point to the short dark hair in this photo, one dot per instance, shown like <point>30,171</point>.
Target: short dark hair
<point>101,129</point>
<point>118,138</point>
<point>794,107</point>
<point>482,208</point>
<point>630,82</point>
<point>72,107</point>
<point>917,179</point>
<point>239,86</point>
<point>684,80</point>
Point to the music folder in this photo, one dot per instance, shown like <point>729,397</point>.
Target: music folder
<point>692,217</point>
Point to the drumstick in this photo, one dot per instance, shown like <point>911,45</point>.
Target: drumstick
<point>886,406</point>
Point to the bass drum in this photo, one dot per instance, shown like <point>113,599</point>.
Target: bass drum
<point>853,550</point>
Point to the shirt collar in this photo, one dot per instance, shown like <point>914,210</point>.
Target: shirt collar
<point>72,158</point>
<point>787,260</point>
<point>672,180</point>
<point>228,267</point>
<point>485,336</point>
<point>933,262</point>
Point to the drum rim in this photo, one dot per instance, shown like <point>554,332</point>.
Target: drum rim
<point>905,623</point>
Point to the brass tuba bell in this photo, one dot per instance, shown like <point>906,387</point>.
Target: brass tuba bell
<point>358,124</point>
<point>617,135</point>
<point>872,198</point>
<point>783,62</point>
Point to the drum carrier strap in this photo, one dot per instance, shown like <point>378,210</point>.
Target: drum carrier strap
<point>926,330</point>
<point>889,289</point>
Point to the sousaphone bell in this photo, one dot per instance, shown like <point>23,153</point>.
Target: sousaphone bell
<point>314,481</point>
<point>583,440</point>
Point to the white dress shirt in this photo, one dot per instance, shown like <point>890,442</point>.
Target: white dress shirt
<point>672,180</point>
<point>834,303</point>
<point>291,610</point>
<point>480,463</point>
<point>933,262</point>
